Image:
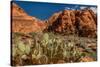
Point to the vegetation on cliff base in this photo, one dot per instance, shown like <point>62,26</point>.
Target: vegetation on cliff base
<point>50,48</point>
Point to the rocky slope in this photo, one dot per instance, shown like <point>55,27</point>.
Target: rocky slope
<point>81,22</point>
<point>64,22</point>
<point>22,22</point>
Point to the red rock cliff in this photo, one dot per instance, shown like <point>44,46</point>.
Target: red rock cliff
<point>22,22</point>
<point>81,22</point>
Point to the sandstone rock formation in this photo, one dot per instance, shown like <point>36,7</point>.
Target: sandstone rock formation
<point>65,22</point>
<point>22,22</point>
<point>81,22</point>
<point>86,24</point>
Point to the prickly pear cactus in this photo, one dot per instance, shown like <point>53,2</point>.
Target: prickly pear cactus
<point>48,48</point>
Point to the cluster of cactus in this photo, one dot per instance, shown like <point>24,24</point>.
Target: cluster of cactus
<point>43,48</point>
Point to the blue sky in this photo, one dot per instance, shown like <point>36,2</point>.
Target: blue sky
<point>44,10</point>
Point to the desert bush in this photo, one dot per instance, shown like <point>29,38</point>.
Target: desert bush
<point>47,48</point>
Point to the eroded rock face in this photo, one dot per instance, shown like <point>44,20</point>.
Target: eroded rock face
<point>86,24</point>
<point>81,22</point>
<point>22,22</point>
<point>64,22</point>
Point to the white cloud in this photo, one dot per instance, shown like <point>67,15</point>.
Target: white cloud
<point>67,8</point>
<point>94,9</point>
<point>83,7</point>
